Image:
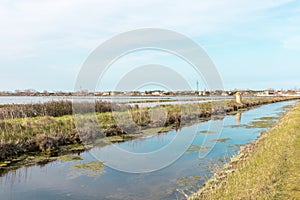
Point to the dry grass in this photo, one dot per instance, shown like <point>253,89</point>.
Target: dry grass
<point>269,168</point>
<point>56,109</point>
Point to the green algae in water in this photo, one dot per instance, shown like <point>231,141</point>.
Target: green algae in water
<point>237,126</point>
<point>91,169</point>
<point>285,108</point>
<point>207,132</point>
<point>266,119</point>
<point>197,148</point>
<point>223,140</point>
<point>189,183</point>
<point>204,165</point>
<point>70,158</point>
<point>189,180</point>
<point>261,124</point>
<point>235,146</point>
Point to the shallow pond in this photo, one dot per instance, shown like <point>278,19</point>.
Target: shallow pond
<point>141,101</point>
<point>83,177</point>
<point>117,99</point>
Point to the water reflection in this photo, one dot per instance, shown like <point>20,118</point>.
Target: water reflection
<point>238,118</point>
<point>142,101</point>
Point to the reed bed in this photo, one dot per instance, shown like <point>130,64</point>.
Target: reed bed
<point>57,109</point>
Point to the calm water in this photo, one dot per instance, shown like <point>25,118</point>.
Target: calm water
<point>139,100</point>
<point>59,181</point>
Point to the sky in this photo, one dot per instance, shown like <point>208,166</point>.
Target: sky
<point>253,44</point>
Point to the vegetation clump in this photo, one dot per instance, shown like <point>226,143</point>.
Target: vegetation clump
<point>197,148</point>
<point>91,169</point>
<point>70,158</point>
<point>222,140</point>
<point>207,132</point>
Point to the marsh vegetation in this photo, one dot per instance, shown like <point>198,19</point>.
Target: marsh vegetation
<point>44,127</point>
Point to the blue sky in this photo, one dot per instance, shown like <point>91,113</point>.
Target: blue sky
<point>254,44</point>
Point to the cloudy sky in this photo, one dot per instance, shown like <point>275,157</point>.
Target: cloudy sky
<point>254,44</point>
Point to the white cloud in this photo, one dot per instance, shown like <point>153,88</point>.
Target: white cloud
<point>292,42</point>
<point>28,25</point>
<point>52,34</point>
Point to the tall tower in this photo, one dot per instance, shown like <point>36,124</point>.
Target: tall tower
<point>197,86</point>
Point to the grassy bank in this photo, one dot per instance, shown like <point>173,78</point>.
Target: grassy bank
<point>268,168</point>
<point>45,127</point>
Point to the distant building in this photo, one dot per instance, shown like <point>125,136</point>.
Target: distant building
<point>270,92</point>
